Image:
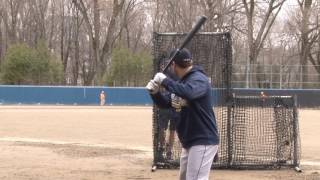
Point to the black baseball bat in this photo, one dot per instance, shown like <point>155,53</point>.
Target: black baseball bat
<point>188,38</point>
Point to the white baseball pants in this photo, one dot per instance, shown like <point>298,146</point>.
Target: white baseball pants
<point>195,162</point>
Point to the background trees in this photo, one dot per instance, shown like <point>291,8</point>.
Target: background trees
<point>93,42</point>
<point>31,66</point>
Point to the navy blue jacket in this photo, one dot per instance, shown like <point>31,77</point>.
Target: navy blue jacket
<point>197,123</point>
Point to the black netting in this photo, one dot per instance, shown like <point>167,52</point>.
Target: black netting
<point>254,133</point>
<point>264,132</point>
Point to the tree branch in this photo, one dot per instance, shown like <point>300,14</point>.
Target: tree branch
<point>81,7</point>
<point>268,29</point>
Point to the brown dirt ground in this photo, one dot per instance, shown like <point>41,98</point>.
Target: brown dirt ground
<point>85,143</point>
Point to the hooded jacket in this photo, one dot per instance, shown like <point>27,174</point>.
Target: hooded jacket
<point>197,123</point>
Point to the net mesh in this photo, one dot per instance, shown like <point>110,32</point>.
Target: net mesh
<point>253,133</point>
<point>264,132</point>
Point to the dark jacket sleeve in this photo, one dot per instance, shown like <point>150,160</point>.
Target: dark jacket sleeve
<point>190,90</point>
<point>161,100</point>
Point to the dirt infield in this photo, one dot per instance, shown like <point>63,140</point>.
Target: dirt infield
<point>84,143</point>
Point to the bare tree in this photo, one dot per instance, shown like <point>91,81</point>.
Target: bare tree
<point>52,17</point>
<point>78,20</point>
<point>314,57</point>
<point>1,35</point>
<point>314,54</point>
<point>309,36</point>
<point>134,30</point>
<point>99,62</point>
<point>10,16</point>
<point>65,34</point>
<point>256,37</point>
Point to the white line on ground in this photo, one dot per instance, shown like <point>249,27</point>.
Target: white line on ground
<point>310,163</point>
<point>80,144</point>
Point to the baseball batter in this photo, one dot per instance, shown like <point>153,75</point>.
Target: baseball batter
<point>196,127</point>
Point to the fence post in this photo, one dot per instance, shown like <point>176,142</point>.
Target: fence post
<point>296,140</point>
<point>247,75</point>
<point>281,76</point>
<point>271,76</point>
<point>318,81</point>
<point>301,77</point>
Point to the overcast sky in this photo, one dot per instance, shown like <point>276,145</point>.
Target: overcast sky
<point>287,6</point>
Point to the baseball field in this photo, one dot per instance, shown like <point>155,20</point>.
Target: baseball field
<point>92,142</point>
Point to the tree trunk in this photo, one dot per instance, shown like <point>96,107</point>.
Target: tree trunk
<point>1,41</point>
<point>76,35</point>
<point>62,34</point>
<point>110,38</point>
<point>52,25</point>
<point>96,39</point>
<point>305,47</point>
<point>75,68</point>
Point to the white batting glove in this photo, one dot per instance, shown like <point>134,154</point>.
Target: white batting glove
<point>178,102</point>
<point>153,87</point>
<point>159,77</point>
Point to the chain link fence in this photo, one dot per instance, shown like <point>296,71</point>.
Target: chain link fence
<point>275,76</point>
